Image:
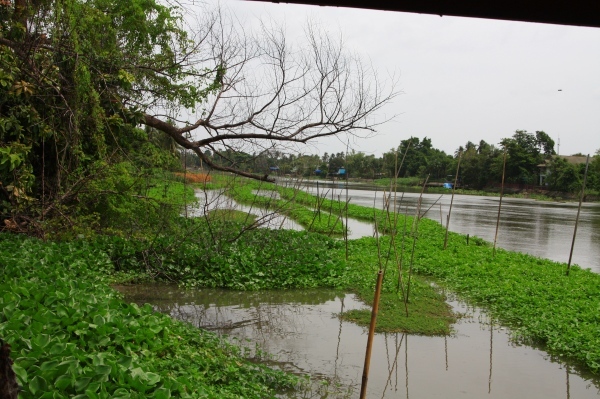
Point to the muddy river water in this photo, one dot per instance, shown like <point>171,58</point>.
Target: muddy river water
<point>302,333</point>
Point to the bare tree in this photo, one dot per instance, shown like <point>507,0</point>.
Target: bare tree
<point>270,94</point>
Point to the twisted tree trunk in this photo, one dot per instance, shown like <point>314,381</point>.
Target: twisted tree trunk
<point>9,388</point>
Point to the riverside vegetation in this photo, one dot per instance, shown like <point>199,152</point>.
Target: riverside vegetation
<point>98,199</point>
<point>72,335</point>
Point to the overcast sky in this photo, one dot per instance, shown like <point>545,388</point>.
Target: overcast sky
<point>464,79</point>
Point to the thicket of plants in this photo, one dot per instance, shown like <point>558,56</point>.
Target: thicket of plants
<point>217,255</point>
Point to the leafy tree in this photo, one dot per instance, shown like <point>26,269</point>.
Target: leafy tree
<point>594,172</point>
<point>364,166</point>
<point>479,165</point>
<point>524,155</point>
<point>545,143</point>
<point>78,77</point>
<point>564,176</point>
<point>73,75</point>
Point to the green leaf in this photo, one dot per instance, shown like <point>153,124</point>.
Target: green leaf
<point>103,370</point>
<point>162,393</point>
<point>125,361</point>
<point>50,365</point>
<point>152,378</point>
<point>41,340</point>
<point>58,348</point>
<point>99,320</point>
<point>63,381</point>
<point>21,373</point>
<point>37,384</point>
<point>82,383</point>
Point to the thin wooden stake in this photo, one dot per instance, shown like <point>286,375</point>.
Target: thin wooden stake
<point>365,375</point>
<point>347,173</point>
<point>415,233</point>
<point>500,204</point>
<point>587,162</point>
<point>452,200</point>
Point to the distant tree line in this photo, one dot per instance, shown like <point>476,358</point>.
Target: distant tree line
<point>530,161</point>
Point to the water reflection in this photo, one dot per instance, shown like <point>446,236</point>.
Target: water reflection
<point>300,329</point>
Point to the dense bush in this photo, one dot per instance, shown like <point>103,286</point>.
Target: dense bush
<point>210,256</point>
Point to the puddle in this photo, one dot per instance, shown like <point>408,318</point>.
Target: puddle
<point>300,329</point>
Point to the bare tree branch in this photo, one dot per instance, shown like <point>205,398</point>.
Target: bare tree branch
<point>268,91</point>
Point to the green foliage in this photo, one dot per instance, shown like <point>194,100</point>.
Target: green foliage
<point>428,313</point>
<point>480,165</point>
<point>121,200</point>
<point>208,256</point>
<point>421,159</point>
<point>594,173</point>
<point>231,215</point>
<point>564,176</point>
<point>531,295</point>
<point>72,336</point>
<point>299,206</point>
<point>525,151</point>
<point>66,89</point>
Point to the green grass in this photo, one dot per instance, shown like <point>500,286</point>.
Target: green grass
<point>171,191</point>
<point>293,204</point>
<point>231,215</point>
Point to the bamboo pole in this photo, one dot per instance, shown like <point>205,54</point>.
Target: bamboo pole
<point>347,173</point>
<point>452,200</point>
<point>432,205</point>
<point>587,162</point>
<point>500,204</point>
<point>400,284</point>
<point>365,375</point>
<point>415,233</point>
